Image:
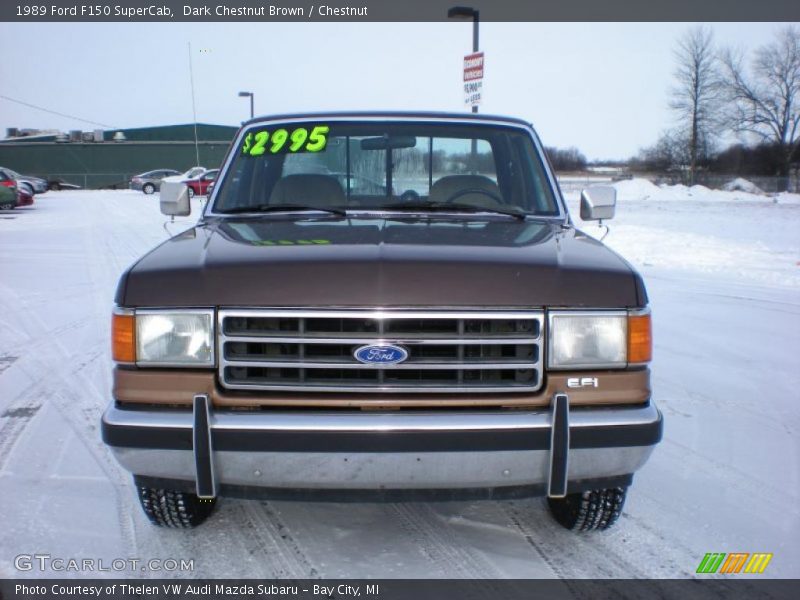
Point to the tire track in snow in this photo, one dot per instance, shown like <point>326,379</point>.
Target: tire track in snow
<point>437,542</point>
<point>70,391</point>
<point>83,418</point>
<point>521,524</point>
<point>575,555</point>
<point>266,538</point>
<point>6,361</point>
<point>14,422</point>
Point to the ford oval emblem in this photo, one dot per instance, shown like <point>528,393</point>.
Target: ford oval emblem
<point>380,354</point>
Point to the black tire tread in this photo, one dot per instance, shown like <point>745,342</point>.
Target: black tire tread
<point>170,508</point>
<point>593,510</point>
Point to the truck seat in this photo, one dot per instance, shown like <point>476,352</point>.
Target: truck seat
<point>448,186</point>
<point>308,189</point>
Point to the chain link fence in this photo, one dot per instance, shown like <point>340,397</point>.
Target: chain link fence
<point>768,185</point>
<point>91,181</point>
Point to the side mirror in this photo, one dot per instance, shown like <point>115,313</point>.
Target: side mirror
<point>598,203</point>
<point>175,199</point>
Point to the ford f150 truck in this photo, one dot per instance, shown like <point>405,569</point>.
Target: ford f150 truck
<point>443,332</point>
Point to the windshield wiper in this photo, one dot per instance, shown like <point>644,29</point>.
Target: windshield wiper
<point>266,208</point>
<point>447,206</point>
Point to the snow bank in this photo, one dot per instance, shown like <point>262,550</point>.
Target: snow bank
<point>786,198</point>
<point>636,189</point>
<point>642,189</point>
<point>742,185</point>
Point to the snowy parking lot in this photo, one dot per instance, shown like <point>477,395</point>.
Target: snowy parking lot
<point>723,274</point>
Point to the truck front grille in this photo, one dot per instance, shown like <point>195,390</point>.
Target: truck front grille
<point>314,350</point>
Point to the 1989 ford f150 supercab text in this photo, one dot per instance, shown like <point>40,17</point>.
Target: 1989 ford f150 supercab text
<point>383,306</point>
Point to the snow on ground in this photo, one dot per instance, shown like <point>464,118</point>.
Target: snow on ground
<point>722,275</point>
<point>732,236</point>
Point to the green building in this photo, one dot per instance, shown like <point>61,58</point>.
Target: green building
<point>108,159</point>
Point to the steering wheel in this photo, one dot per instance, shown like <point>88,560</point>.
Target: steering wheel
<point>409,196</point>
<point>466,191</point>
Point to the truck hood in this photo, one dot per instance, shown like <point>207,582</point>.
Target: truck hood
<point>393,262</point>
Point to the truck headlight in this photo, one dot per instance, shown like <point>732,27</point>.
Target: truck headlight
<point>179,338</point>
<point>598,339</point>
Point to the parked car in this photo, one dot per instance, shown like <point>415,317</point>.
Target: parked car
<point>194,172</point>
<point>150,181</point>
<point>8,193</point>
<point>198,186</point>
<point>31,184</point>
<point>7,180</point>
<point>12,196</point>
<point>24,198</point>
<point>188,174</point>
<point>465,340</point>
<point>58,184</point>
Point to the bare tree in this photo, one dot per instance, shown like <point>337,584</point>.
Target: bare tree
<point>767,99</point>
<point>669,153</point>
<point>697,95</point>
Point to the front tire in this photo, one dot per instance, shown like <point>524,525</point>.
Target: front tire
<point>148,188</point>
<point>171,508</point>
<point>588,511</point>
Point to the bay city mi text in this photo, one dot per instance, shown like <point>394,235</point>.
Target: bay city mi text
<point>219,10</point>
<point>178,589</point>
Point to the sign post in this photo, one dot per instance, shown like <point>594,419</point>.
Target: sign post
<point>473,79</point>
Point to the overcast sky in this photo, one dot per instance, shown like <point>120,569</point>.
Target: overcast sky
<point>602,87</point>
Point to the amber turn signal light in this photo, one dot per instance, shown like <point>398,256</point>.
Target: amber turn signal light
<point>123,342</point>
<point>640,338</point>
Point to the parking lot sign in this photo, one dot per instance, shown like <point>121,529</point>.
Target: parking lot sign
<point>473,78</point>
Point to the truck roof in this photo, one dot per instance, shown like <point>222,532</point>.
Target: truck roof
<point>443,115</point>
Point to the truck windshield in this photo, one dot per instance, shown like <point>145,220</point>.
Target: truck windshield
<point>382,165</point>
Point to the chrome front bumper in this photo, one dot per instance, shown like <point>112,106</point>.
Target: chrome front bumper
<point>553,450</point>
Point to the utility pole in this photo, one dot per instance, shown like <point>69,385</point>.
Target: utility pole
<point>467,12</point>
<point>194,109</point>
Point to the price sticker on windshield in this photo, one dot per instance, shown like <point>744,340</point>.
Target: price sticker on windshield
<point>286,141</point>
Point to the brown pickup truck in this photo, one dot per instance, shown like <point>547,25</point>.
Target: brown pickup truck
<point>383,306</point>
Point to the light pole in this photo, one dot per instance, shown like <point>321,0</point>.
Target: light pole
<point>251,95</point>
<point>467,12</point>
